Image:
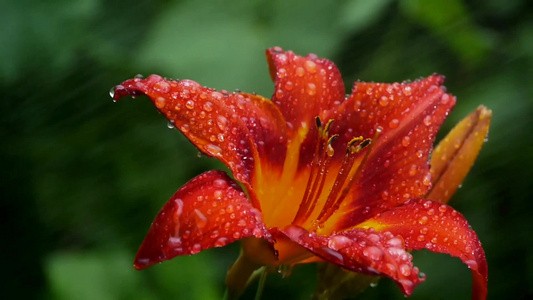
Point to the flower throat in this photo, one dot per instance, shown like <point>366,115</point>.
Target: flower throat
<point>319,170</point>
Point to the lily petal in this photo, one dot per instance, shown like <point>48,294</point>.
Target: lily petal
<point>239,129</point>
<point>364,251</point>
<point>425,224</point>
<point>409,115</point>
<point>455,154</point>
<point>209,211</point>
<point>305,86</point>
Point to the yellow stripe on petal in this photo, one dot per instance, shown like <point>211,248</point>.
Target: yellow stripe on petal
<point>454,156</point>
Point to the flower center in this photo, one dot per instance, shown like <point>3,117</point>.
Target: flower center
<point>319,171</point>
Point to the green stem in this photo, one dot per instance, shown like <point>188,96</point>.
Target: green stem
<point>261,284</point>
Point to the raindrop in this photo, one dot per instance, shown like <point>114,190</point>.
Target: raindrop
<point>373,253</point>
<point>300,71</point>
<point>196,248</point>
<point>310,66</point>
<point>427,120</point>
<point>339,242</point>
<point>405,141</point>
<point>220,242</point>
<point>394,123</point>
<point>189,104</point>
<point>160,102</point>
<point>208,106</point>
<point>405,270</point>
<point>213,149</point>
<point>383,101</point>
<point>311,89</point>
<point>170,125</point>
<point>112,93</point>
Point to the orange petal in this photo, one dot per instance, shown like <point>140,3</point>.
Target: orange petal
<point>425,224</point>
<point>397,168</point>
<point>239,129</point>
<point>305,86</point>
<point>454,156</point>
<point>364,251</point>
<point>209,211</point>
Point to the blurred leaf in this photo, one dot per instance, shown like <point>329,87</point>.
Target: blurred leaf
<point>109,275</point>
<point>359,14</point>
<point>222,45</point>
<point>102,275</point>
<point>451,21</point>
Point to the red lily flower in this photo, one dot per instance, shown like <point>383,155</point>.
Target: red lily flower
<point>328,178</point>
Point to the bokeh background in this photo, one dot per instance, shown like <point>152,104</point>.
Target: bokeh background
<point>83,177</point>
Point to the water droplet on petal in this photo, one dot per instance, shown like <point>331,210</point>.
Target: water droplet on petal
<point>427,120</point>
<point>196,248</point>
<point>339,242</point>
<point>200,218</point>
<point>405,141</point>
<point>373,252</point>
<point>212,149</point>
<point>310,66</point>
<point>311,89</point>
<point>394,123</point>
<point>384,101</point>
<point>300,71</point>
<point>160,102</point>
<point>221,242</point>
<point>405,270</point>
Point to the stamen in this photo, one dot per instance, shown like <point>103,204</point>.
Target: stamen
<point>333,203</point>
<point>325,162</point>
<point>319,169</point>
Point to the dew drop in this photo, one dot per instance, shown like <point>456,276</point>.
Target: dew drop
<point>384,101</point>
<point>394,123</point>
<point>289,85</point>
<point>189,104</point>
<point>185,128</point>
<point>159,102</point>
<point>208,106</point>
<point>282,73</point>
<point>405,141</point>
<point>311,89</point>
<point>170,125</point>
<point>423,220</point>
<point>213,149</point>
<point>310,66</point>
<point>200,218</point>
<point>427,120</point>
<point>339,242</point>
<point>373,252</point>
<point>162,87</point>
<point>395,243</point>
<point>112,93</point>
<point>413,170</point>
<point>220,242</point>
<point>300,71</point>
<point>196,248</point>
<point>222,122</point>
<point>405,270</point>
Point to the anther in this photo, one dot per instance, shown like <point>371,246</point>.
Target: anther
<point>329,149</point>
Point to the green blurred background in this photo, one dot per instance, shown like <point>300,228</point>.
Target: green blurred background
<point>84,177</point>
